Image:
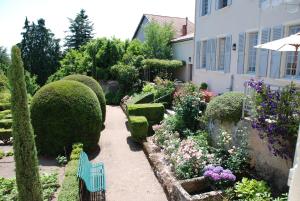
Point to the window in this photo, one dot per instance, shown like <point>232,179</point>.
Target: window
<point>204,54</point>
<point>221,3</point>
<point>221,54</point>
<point>204,7</point>
<point>252,52</point>
<point>290,56</point>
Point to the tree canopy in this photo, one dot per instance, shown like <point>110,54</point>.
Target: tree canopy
<point>80,31</point>
<point>4,59</point>
<point>40,50</point>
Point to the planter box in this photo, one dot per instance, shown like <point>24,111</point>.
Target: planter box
<point>197,189</point>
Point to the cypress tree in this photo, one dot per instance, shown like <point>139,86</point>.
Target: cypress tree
<point>25,154</point>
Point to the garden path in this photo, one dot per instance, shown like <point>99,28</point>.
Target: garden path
<point>129,176</point>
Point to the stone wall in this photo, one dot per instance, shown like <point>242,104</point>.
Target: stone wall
<point>274,170</point>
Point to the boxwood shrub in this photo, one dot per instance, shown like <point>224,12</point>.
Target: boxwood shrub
<point>95,86</point>
<point>142,98</point>
<point>227,107</point>
<point>70,186</point>
<point>154,112</point>
<point>161,64</point>
<point>65,112</point>
<point>138,127</point>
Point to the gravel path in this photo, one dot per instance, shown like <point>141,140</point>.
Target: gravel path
<point>129,176</point>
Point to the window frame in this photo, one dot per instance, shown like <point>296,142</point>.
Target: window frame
<point>289,56</point>
<point>203,4</point>
<point>251,53</point>
<point>203,59</point>
<point>219,53</point>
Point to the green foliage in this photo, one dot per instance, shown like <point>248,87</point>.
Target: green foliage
<point>64,112</point>
<point>6,123</point>
<point>8,187</point>
<point>162,64</point>
<point>93,85</point>
<point>80,29</point>
<point>114,98</point>
<point>158,38</point>
<point>2,154</point>
<point>227,107</point>
<point>31,83</point>
<point>141,98</point>
<point>283,197</point>
<point>40,50</point>
<point>9,153</point>
<point>4,60</point>
<point>190,108</point>
<point>61,160</point>
<point>70,186</point>
<point>252,190</point>
<point>138,127</point>
<point>104,53</point>
<point>153,112</point>
<point>126,75</point>
<point>200,138</point>
<point>5,134</point>
<point>134,53</point>
<point>27,174</point>
<point>203,86</point>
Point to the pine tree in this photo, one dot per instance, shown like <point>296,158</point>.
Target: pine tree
<point>25,154</point>
<point>40,50</point>
<point>81,31</point>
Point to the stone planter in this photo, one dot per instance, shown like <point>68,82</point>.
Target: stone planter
<point>197,189</point>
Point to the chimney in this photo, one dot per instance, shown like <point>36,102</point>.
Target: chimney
<point>184,27</point>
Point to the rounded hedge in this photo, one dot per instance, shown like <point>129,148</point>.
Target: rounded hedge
<point>95,86</point>
<point>65,112</point>
<point>226,107</point>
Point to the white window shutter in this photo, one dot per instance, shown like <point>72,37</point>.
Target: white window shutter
<point>241,53</point>
<point>213,54</point>
<point>208,53</point>
<point>217,4</point>
<point>276,55</point>
<point>264,54</point>
<point>227,62</point>
<point>198,50</point>
<point>209,7</point>
<point>200,8</point>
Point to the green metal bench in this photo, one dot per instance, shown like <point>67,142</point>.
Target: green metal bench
<point>91,179</point>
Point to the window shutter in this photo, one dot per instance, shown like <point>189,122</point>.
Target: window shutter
<point>264,54</point>
<point>217,4</point>
<point>209,7</point>
<point>275,55</point>
<point>227,54</point>
<point>241,53</point>
<point>229,2</point>
<point>213,54</point>
<point>200,8</point>
<point>198,50</point>
<point>208,53</point>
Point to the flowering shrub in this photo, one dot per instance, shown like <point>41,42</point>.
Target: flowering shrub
<point>190,160</point>
<point>190,107</point>
<point>277,117</point>
<point>219,176</point>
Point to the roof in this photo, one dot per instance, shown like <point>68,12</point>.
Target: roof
<point>177,23</point>
<point>184,38</point>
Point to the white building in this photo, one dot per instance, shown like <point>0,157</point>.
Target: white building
<point>227,30</point>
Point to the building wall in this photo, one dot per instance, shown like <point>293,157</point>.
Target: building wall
<point>241,16</point>
<point>140,33</point>
<point>182,51</point>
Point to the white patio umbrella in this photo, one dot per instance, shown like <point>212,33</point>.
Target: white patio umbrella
<point>287,44</point>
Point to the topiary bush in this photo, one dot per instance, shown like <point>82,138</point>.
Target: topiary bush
<point>154,112</point>
<point>141,98</point>
<point>65,112</point>
<point>95,86</point>
<point>227,107</point>
<point>138,127</point>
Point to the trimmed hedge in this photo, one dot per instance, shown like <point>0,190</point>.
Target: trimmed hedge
<point>70,186</point>
<point>4,106</point>
<point>5,134</point>
<point>4,113</point>
<point>95,86</point>
<point>5,123</point>
<point>138,127</point>
<point>161,64</point>
<point>154,112</point>
<point>227,107</point>
<point>65,112</point>
<point>142,98</point>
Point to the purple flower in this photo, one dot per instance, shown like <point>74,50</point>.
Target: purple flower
<point>215,177</point>
<point>209,167</point>
<point>218,169</point>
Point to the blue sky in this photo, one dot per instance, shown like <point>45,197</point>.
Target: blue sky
<point>117,18</point>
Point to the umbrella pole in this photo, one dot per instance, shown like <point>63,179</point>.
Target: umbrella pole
<point>295,60</point>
